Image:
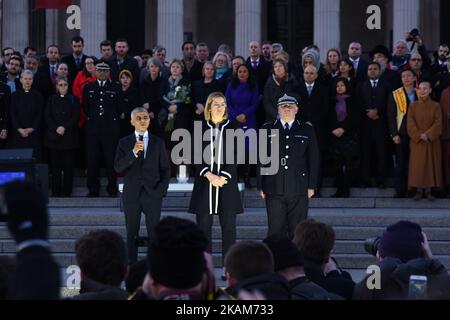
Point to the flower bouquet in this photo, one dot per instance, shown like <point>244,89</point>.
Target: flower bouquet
<point>180,94</point>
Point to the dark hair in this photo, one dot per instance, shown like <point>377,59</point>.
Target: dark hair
<point>409,70</point>
<point>247,259</point>
<point>348,87</point>
<point>376,63</point>
<point>85,72</point>
<point>52,46</point>
<point>352,71</point>
<point>25,51</point>
<point>315,240</point>
<point>102,256</point>
<point>445,45</point>
<point>18,58</point>
<point>106,43</point>
<point>122,40</point>
<point>283,62</point>
<point>187,42</point>
<point>266,42</point>
<point>202,44</point>
<point>7,48</point>
<point>147,51</point>
<point>77,39</point>
<point>235,80</point>
<point>238,57</point>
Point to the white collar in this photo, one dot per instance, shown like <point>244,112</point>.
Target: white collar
<point>289,123</point>
<point>137,134</point>
<point>355,60</point>
<point>100,82</point>
<point>310,85</point>
<point>253,61</point>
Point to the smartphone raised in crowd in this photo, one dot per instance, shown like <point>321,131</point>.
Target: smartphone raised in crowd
<point>417,287</point>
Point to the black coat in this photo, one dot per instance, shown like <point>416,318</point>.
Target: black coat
<point>261,73</point>
<point>73,68</point>
<point>196,72</point>
<point>391,78</point>
<point>374,99</point>
<point>93,290</point>
<point>26,112</point>
<point>37,275</point>
<point>151,173</point>
<point>207,199</point>
<point>5,103</point>
<point>151,93</point>
<point>298,163</point>
<point>348,142</point>
<point>129,64</point>
<point>361,72</point>
<point>102,108</point>
<point>65,112</point>
<point>392,116</point>
<point>201,91</point>
<point>129,100</point>
<point>314,109</point>
<point>273,90</point>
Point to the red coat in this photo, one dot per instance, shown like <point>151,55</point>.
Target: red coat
<point>78,85</point>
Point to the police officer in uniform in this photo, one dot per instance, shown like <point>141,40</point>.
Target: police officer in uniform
<point>287,192</point>
<point>101,106</point>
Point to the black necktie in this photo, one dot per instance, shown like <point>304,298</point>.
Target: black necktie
<point>286,126</point>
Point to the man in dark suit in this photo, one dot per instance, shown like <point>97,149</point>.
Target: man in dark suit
<point>6,55</point>
<point>315,102</point>
<point>121,61</point>
<point>102,108</point>
<point>287,191</point>
<point>359,65</point>
<point>142,158</point>
<point>76,60</point>
<point>5,103</point>
<point>440,64</point>
<point>260,69</point>
<point>373,97</point>
<point>383,57</point>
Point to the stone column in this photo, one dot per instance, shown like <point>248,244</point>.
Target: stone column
<point>406,17</point>
<point>51,27</point>
<point>15,23</point>
<point>170,27</point>
<point>327,25</point>
<point>248,25</point>
<point>93,25</point>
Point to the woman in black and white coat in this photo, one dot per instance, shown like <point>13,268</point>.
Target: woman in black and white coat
<point>216,180</point>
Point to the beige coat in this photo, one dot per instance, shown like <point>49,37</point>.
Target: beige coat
<point>425,161</point>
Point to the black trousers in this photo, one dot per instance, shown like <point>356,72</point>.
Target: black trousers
<point>151,207</point>
<point>62,161</point>
<point>374,147</point>
<point>285,212</point>
<point>228,225</point>
<point>99,146</point>
<point>401,165</point>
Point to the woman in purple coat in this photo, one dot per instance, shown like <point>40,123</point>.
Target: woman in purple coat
<point>242,99</point>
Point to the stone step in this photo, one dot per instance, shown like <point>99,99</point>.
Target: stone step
<point>258,217</point>
<point>341,247</point>
<point>182,203</point>
<point>242,232</point>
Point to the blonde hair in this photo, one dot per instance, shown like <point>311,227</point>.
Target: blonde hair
<point>209,101</point>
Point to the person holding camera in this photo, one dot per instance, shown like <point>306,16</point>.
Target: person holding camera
<point>403,250</point>
<point>143,160</point>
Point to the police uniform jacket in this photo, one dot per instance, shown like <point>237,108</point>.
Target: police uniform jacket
<point>298,162</point>
<point>5,101</point>
<point>207,199</point>
<point>102,108</point>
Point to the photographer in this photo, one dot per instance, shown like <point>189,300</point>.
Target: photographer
<point>37,274</point>
<point>402,251</point>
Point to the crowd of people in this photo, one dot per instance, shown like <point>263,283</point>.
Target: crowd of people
<point>178,265</point>
<point>387,114</point>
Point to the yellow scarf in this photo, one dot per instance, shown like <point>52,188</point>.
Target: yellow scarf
<point>402,104</point>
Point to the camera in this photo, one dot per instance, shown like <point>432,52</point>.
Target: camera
<point>417,289</point>
<point>413,34</point>
<point>371,245</point>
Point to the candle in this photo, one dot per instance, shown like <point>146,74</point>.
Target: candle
<point>182,171</point>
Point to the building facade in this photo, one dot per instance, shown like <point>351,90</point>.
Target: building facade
<point>295,23</point>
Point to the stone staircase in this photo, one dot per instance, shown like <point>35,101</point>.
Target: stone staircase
<point>364,215</point>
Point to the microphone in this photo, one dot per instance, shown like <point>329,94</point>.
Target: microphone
<point>141,138</point>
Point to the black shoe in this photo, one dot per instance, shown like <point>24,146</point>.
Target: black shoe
<point>381,185</point>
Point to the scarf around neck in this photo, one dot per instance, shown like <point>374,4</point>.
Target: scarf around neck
<point>341,107</point>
